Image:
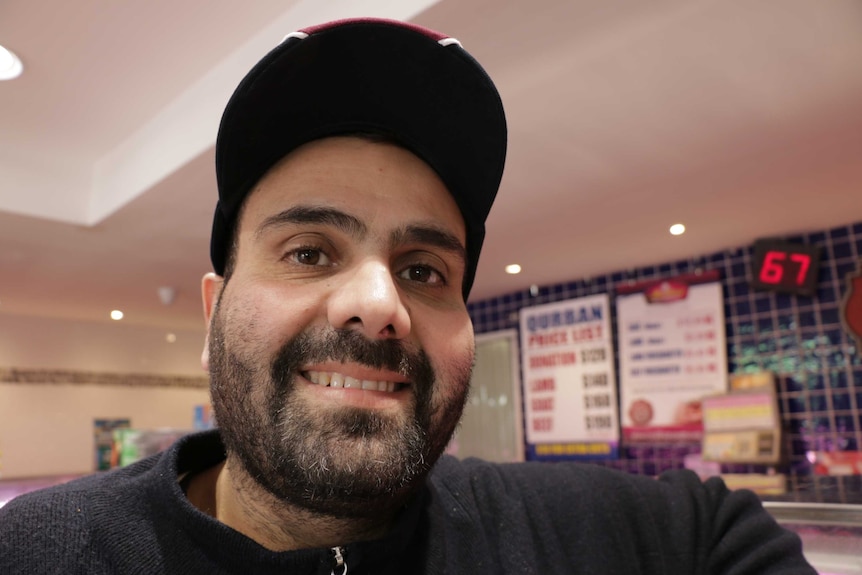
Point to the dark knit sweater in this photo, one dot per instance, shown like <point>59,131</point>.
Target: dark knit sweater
<point>472,517</point>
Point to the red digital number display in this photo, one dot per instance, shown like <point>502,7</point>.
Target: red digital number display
<point>786,266</point>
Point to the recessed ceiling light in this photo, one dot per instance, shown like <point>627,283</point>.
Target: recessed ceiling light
<point>171,337</point>
<point>116,315</point>
<point>513,269</point>
<point>677,229</point>
<point>10,65</point>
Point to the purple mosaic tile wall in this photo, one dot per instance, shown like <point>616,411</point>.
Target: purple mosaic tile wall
<point>800,339</point>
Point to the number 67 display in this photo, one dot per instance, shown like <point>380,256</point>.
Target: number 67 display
<point>785,267</point>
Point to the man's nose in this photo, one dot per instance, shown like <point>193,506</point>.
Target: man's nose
<point>368,300</point>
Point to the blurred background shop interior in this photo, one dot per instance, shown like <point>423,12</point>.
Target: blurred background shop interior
<point>732,348</point>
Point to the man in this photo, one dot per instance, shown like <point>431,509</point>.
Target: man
<point>356,165</point>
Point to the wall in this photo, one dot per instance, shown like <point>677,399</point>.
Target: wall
<point>28,342</point>
<point>57,376</point>
<point>801,339</point>
<point>47,428</point>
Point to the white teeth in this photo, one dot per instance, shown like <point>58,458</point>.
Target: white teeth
<point>335,379</point>
<point>351,383</point>
<point>368,384</point>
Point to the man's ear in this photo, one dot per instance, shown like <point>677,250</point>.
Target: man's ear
<point>211,288</point>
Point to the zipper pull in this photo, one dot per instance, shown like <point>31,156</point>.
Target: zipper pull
<point>339,560</point>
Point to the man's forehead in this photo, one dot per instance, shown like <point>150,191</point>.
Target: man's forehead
<point>342,174</point>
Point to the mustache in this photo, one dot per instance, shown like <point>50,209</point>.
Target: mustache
<point>349,346</point>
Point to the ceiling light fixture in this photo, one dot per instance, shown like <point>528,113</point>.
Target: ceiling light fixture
<point>167,295</point>
<point>10,65</point>
<point>513,269</point>
<point>116,315</point>
<point>677,229</point>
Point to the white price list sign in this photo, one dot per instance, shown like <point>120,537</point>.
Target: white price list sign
<point>569,380</point>
<point>672,354</point>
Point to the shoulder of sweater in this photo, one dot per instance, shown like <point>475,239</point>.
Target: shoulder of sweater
<point>563,480</point>
<point>449,468</point>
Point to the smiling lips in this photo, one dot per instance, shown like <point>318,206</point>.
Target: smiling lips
<point>335,379</point>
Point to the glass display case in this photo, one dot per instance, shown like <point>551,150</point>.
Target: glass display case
<point>831,533</point>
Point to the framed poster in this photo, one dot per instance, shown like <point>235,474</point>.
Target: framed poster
<point>672,355</point>
<point>570,401</point>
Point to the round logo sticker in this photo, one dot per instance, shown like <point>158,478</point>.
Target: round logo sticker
<point>640,412</point>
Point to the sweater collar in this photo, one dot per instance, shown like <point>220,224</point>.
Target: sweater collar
<point>199,451</point>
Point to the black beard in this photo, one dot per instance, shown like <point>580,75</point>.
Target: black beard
<point>352,462</point>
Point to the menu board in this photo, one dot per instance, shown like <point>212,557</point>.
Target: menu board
<point>569,382</point>
<point>672,354</point>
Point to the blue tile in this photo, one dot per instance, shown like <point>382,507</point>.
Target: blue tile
<point>765,326</point>
<point>815,381</point>
<point>842,250</point>
<point>838,380</point>
<point>807,319</point>
<point>740,289</point>
<point>820,424</point>
<point>784,301</point>
<point>836,335</point>
<point>826,294</point>
<point>745,327</point>
<point>817,403</point>
<point>845,269</point>
<point>796,404</point>
<point>789,384</point>
<point>816,238</point>
<point>786,322</point>
<point>846,423</point>
<point>838,359</point>
<point>763,304</point>
<point>841,402</point>
<point>743,308</point>
<point>841,232</point>
<point>830,316</point>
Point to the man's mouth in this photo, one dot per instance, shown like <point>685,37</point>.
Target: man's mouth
<point>335,379</point>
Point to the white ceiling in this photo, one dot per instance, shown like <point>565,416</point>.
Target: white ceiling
<point>739,119</point>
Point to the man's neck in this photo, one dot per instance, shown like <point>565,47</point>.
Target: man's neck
<point>228,494</point>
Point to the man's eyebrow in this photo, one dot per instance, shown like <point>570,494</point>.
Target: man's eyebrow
<point>430,235</point>
<point>315,215</point>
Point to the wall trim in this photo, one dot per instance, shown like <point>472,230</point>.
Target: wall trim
<point>61,376</point>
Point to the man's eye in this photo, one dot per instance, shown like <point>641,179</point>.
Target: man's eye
<point>423,274</point>
<point>309,257</point>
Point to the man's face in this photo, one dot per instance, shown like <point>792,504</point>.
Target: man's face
<point>340,349</point>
